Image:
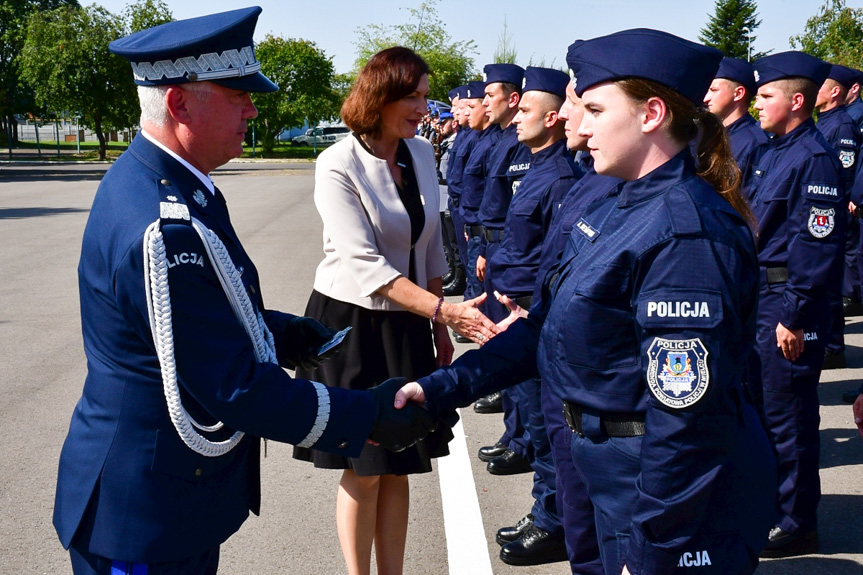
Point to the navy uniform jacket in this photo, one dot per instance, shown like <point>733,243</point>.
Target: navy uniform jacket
<point>151,498</point>
<point>507,161</point>
<point>458,155</point>
<point>475,174</point>
<point>855,110</point>
<point>799,202</point>
<point>515,263</point>
<point>748,142</point>
<point>839,130</point>
<point>660,274</point>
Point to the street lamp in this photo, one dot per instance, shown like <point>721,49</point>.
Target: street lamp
<point>748,44</point>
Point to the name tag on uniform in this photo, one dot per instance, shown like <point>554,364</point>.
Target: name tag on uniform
<point>587,230</point>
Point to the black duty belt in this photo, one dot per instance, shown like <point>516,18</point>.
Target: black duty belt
<point>492,235</point>
<point>612,424</point>
<point>473,231</point>
<point>525,301</point>
<point>776,275</point>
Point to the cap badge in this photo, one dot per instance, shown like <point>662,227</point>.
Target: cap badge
<point>573,79</point>
<point>484,77</point>
<point>757,76</point>
<point>523,83</point>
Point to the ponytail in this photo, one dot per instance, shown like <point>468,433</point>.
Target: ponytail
<point>716,165</point>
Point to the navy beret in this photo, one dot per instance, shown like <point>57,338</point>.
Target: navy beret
<point>684,66</point>
<point>509,73</point>
<point>216,48</point>
<point>844,75</point>
<point>545,80</point>
<point>739,71</point>
<point>475,89</point>
<point>789,64</point>
<point>453,94</point>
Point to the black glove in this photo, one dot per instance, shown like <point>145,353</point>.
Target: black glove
<point>398,429</point>
<point>305,336</point>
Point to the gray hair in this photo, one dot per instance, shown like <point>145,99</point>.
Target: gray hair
<point>154,110</point>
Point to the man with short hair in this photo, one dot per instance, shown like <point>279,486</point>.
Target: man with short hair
<point>448,131</point>
<point>459,153</point>
<point>798,200</point>
<point>176,334</point>
<point>728,98</point>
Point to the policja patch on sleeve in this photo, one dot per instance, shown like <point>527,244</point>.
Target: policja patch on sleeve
<point>677,373</point>
<point>821,221</point>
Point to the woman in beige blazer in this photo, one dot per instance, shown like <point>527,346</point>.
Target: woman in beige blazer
<point>378,197</point>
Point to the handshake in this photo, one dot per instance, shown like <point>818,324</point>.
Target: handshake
<point>399,428</point>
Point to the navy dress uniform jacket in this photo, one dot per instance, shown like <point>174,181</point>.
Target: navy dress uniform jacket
<point>665,268</point>
<point>748,142</point>
<point>458,155</point>
<point>839,130</point>
<point>475,174</point>
<point>128,488</point>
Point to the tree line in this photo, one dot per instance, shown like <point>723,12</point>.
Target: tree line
<point>54,60</point>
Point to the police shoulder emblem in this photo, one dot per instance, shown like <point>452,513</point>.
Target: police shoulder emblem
<point>821,221</point>
<point>199,197</point>
<point>847,158</point>
<point>677,373</point>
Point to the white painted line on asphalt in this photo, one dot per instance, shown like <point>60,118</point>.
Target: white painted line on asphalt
<point>467,549</point>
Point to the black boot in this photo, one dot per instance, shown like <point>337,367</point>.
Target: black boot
<point>457,284</point>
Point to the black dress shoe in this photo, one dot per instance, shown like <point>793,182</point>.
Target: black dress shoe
<point>535,547</point>
<point>456,286</point>
<point>491,403</point>
<point>509,534</point>
<point>489,452</point>
<point>851,307</point>
<point>784,544</point>
<point>510,463</point>
<point>834,360</point>
<point>847,397</point>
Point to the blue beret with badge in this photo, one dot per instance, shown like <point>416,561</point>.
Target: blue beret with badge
<point>739,71</point>
<point>509,73</point>
<point>684,66</point>
<point>545,80</point>
<point>215,48</point>
<point>474,90</point>
<point>453,94</point>
<point>788,65</point>
<point>844,75</point>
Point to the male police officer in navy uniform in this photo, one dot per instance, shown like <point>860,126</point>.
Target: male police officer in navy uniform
<point>512,269</point>
<point>728,99</point>
<point>799,202</point>
<point>176,334</point>
<point>459,152</point>
<point>853,103</point>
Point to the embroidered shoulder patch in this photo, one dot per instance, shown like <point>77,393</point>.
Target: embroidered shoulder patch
<point>821,221</point>
<point>677,372</point>
<point>847,158</point>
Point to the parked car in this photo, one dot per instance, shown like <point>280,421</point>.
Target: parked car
<point>321,136</point>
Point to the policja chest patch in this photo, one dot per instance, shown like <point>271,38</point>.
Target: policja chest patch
<point>677,372</point>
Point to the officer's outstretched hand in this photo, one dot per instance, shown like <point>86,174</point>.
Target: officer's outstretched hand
<point>306,335</point>
<point>398,428</point>
<point>515,311</point>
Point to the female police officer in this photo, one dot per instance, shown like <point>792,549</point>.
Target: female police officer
<point>649,319</point>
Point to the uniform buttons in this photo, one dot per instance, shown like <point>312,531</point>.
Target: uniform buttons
<point>199,472</point>
<point>165,182</point>
<point>343,445</point>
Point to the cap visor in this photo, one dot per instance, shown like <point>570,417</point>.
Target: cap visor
<point>254,83</point>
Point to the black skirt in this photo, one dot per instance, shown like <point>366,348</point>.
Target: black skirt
<point>380,345</point>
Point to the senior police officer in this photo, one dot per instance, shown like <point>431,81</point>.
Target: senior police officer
<point>650,319</point>
<point>840,131</point>
<point>176,334</point>
<point>512,270</point>
<point>728,98</point>
<point>799,202</point>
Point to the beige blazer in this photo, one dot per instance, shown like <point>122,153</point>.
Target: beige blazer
<point>367,231</point>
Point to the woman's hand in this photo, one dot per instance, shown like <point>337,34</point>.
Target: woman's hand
<point>466,319</point>
<point>442,344</point>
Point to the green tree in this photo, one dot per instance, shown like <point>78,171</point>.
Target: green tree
<point>66,62</point>
<point>15,96</point>
<point>146,14</point>
<point>505,52</point>
<point>305,76</point>
<point>834,34</point>
<point>732,27</point>
<point>451,62</point>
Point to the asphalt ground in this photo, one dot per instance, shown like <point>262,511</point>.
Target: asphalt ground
<point>43,210</point>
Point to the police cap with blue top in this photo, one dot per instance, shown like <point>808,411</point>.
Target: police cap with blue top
<point>844,75</point>
<point>684,66</point>
<point>739,71</point>
<point>474,90</point>
<point>444,116</point>
<point>788,65</point>
<point>508,73</point>
<point>216,48</point>
<point>545,80</point>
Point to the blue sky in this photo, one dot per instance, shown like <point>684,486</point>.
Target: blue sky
<point>540,30</point>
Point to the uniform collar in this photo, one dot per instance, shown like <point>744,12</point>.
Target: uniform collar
<point>659,181</point>
<point>791,137</point>
<point>740,123</point>
<point>545,154</point>
<point>834,111</point>
<point>206,180</point>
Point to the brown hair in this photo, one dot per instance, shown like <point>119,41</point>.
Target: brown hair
<point>716,165</point>
<point>388,76</point>
<point>798,84</point>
